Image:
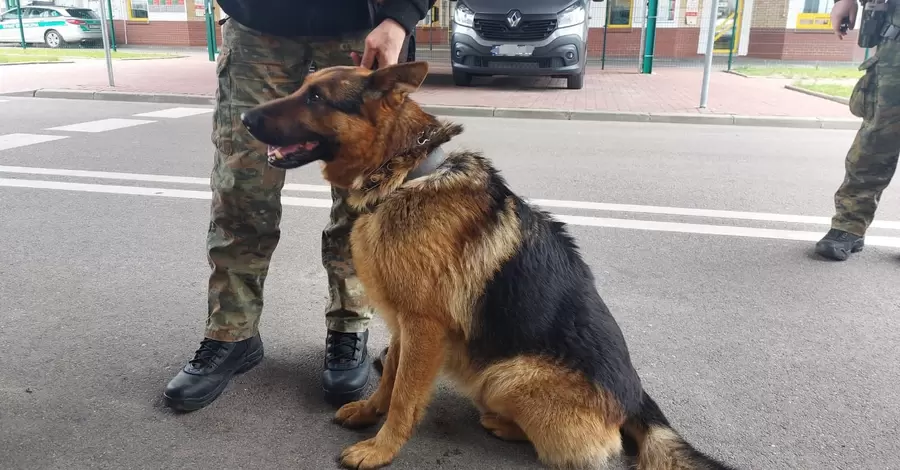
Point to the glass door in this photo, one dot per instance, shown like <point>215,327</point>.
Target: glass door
<point>729,14</point>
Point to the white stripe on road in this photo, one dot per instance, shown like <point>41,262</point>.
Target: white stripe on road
<point>718,214</point>
<point>677,227</point>
<point>599,206</point>
<point>101,125</point>
<point>174,113</point>
<point>140,177</point>
<point>144,191</point>
<point>11,141</point>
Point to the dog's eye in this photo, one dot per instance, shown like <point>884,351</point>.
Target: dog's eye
<point>313,97</point>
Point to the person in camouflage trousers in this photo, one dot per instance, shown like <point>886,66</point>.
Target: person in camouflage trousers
<point>261,60</point>
<point>872,158</point>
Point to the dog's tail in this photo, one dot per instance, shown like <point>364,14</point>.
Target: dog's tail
<point>657,446</point>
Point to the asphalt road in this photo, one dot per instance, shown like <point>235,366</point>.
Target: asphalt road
<point>759,352</point>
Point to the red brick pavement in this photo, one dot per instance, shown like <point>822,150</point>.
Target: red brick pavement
<point>667,90</point>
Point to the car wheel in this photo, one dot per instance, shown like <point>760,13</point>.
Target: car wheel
<point>575,82</point>
<point>52,39</point>
<point>461,78</point>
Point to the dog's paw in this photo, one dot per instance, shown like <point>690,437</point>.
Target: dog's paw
<point>367,455</point>
<point>357,414</point>
<point>501,428</point>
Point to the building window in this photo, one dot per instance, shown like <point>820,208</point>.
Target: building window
<point>667,10</point>
<point>138,10</point>
<point>620,14</point>
<point>816,14</point>
<point>817,6</point>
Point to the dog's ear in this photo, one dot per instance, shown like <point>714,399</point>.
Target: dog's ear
<point>403,78</point>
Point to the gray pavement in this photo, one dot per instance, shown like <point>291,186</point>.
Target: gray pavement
<point>759,353</point>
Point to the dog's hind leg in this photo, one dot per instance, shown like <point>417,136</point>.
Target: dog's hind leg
<point>571,423</point>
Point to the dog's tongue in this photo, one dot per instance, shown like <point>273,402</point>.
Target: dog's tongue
<point>281,152</point>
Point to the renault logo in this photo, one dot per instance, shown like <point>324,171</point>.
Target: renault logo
<point>514,18</point>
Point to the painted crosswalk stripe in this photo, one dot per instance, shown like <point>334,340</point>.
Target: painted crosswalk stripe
<point>647,225</point>
<point>174,113</point>
<point>101,125</point>
<point>11,141</point>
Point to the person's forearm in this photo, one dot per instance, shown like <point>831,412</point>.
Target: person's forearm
<point>407,13</point>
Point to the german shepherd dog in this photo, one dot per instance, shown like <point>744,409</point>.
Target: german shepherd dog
<point>470,279</point>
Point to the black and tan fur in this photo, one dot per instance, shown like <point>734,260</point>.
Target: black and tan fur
<point>472,282</point>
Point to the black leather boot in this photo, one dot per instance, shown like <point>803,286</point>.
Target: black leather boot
<point>205,376</point>
<point>346,371</point>
<point>838,245</point>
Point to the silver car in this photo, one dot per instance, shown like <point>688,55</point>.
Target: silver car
<point>54,26</point>
<point>519,38</point>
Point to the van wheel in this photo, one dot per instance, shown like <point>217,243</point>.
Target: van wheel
<point>53,40</point>
<point>461,78</point>
<point>575,82</point>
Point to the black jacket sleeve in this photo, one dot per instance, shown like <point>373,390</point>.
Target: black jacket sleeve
<point>406,12</point>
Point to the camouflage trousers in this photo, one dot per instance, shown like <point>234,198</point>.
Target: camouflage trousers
<point>872,158</point>
<point>246,209</point>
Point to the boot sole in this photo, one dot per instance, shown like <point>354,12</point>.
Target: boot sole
<point>198,403</point>
<point>839,255</point>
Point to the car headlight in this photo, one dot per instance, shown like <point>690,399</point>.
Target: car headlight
<point>574,15</point>
<point>463,15</point>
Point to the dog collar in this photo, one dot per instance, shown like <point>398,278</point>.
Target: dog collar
<point>429,164</point>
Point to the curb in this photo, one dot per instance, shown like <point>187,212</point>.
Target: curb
<point>484,111</point>
<point>43,62</point>
<point>169,98</point>
<point>836,99</point>
<point>665,118</point>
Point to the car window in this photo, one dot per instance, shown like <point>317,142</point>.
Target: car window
<point>83,13</point>
<point>10,15</point>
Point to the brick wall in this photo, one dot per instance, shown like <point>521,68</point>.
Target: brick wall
<point>439,36</point>
<point>626,42</point>
<point>769,14</point>
<point>164,33</point>
<point>775,44</point>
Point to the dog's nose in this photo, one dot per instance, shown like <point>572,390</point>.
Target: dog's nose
<point>252,120</point>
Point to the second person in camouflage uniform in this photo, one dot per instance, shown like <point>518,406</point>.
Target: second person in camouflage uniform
<point>872,158</point>
<point>268,49</point>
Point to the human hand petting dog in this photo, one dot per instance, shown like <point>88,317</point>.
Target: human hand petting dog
<point>383,43</point>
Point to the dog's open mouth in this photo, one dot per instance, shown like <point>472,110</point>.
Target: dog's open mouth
<point>292,156</point>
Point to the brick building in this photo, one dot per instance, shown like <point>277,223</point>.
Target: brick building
<point>767,29</point>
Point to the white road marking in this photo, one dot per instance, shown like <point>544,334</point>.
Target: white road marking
<point>174,113</point>
<point>548,203</point>
<point>141,177</point>
<point>102,125</point>
<point>676,227</point>
<point>11,141</point>
<point>144,191</point>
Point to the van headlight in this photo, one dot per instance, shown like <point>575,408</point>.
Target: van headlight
<point>574,15</point>
<point>463,15</point>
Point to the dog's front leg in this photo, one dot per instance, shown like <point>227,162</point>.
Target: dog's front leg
<point>363,413</point>
<point>421,357</point>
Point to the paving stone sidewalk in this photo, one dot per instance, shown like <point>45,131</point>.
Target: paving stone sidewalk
<point>667,90</point>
